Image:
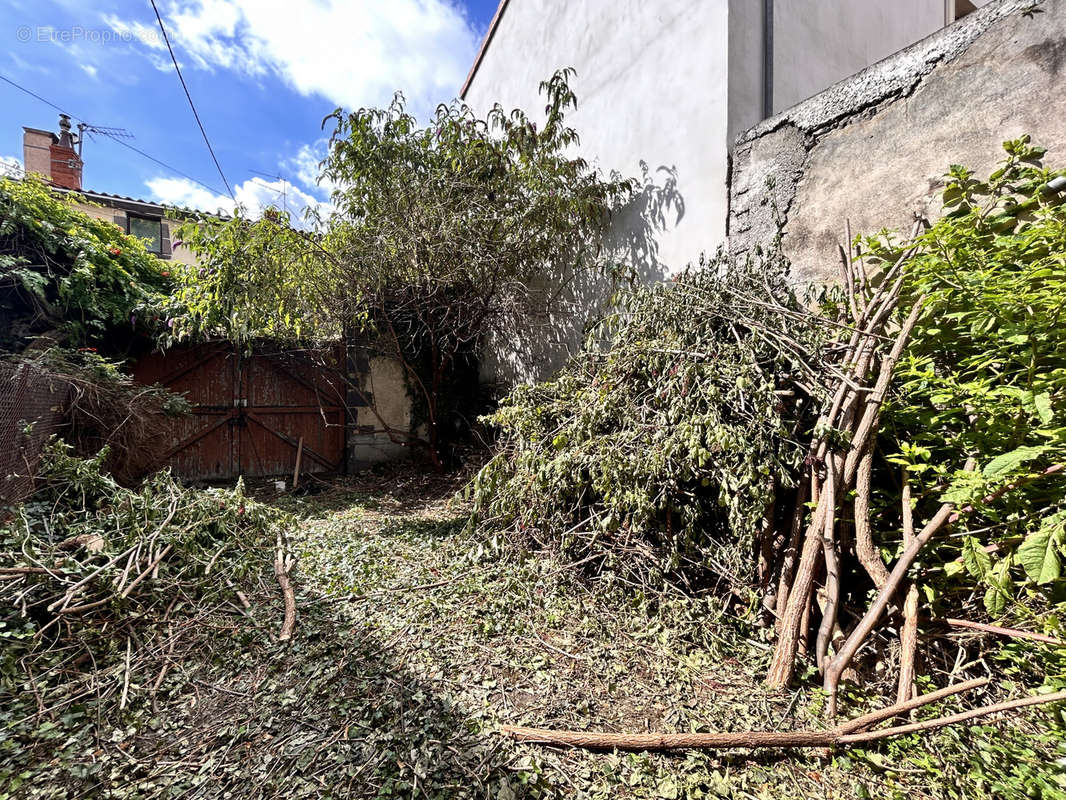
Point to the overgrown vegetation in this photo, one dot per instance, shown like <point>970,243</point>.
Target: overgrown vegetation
<point>765,484</point>
<point>103,592</point>
<point>411,650</point>
<point>984,374</point>
<point>659,454</point>
<point>78,280</point>
<point>696,403</point>
<point>438,235</point>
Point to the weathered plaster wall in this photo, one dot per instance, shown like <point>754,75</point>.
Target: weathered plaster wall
<point>874,148</point>
<point>382,386</point>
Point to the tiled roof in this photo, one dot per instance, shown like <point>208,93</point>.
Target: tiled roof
<point>108,199</point>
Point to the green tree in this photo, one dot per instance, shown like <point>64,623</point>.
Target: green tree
<point>438,235</point>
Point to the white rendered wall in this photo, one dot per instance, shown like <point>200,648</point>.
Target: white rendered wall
<point>671,83</point>
<point>820,42</point>
<point>651,85</point>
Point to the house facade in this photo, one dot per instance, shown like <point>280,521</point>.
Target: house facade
<point>56,157</point>
<point>673,82</point>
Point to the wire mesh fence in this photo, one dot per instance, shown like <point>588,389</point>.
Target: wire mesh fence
<point>32,408</point>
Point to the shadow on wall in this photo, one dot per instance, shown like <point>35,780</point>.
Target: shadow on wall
<point>563,315</point>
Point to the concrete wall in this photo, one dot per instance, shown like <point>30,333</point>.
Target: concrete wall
<point>874,148</point>
<point>379,383</point>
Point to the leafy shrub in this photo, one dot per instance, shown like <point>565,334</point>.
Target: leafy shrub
<point>69,275</point>
<point>662,446</point>
<point>984,375</point>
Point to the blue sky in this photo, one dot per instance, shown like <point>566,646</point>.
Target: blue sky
<point>263,74</point>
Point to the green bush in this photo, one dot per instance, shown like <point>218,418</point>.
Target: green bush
<point>658,450</point>
<point>984,376</point>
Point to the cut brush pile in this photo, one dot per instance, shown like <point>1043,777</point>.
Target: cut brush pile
<point>103,590</point>
<point>816,453</point>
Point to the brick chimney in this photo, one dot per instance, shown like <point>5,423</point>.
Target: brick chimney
<point>51,156</point>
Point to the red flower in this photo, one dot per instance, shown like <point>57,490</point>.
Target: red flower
<point>165,274</point>
<point>116,251</point>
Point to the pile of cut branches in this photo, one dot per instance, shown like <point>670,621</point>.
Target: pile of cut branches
<point>921,398</point>
<point>658,451</point>
<point>968,441</point>
<point>105,407</point>
<point>101,587</point>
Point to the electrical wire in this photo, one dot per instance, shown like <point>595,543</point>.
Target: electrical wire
<point>140,152</point>
<point>192,105</point>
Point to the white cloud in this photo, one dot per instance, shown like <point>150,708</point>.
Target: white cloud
<point>90,70</point>
<point>147,35</point>
<point>253,196</point>
<point>353,52</point>
<point>10,166</point>
<point>305,166</point>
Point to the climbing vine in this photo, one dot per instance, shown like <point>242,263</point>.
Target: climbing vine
<point>78,279</point>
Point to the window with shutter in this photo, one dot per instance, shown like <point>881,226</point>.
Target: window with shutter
<point>147,229</point>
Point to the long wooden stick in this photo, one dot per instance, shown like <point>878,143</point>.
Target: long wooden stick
<point>940,722</point>
<point>858,636</point>
<point>865,549</point>
<point>296,470</point>
<point>874,717</point>
<point>1013,633</point>
<point>845,734</point>
<point>908,634</point>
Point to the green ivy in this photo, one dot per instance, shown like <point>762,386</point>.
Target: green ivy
<point>72,276</point>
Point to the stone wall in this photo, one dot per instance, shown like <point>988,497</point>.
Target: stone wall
<point>874,148</point>
<point>377,401</point>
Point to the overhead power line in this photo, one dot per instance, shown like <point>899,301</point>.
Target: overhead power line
<point>127,145</point>
<point>192,105</point>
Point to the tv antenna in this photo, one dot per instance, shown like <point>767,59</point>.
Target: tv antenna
<point>283,191</point>
<point>85,128</point>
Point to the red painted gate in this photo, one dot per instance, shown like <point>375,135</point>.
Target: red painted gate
<point>249,412</point>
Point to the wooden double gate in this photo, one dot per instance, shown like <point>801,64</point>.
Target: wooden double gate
<point>250,412</point>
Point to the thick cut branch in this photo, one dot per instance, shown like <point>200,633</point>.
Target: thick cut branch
<point>880,603</point>
<point>908,635</point>
<point>845,734</point>
<point>865,549</point>
<point>940,722</point>
<point>874,717</point>
<point>282,566</point>
<point>832,571</point>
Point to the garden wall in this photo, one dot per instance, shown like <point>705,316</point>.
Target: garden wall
<point>874,147</point>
